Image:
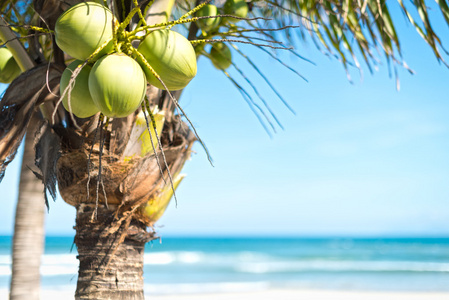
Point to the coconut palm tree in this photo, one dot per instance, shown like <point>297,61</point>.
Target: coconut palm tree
<point>28,241</point>
<point>121,177</point>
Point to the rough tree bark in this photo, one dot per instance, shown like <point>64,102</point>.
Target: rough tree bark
<point>109,268</point>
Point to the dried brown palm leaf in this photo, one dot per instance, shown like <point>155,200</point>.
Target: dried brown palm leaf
<point>20,100</point>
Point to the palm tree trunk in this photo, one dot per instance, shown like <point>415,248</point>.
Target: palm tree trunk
<point>111,258</point>
<point>111,239</point>
<point>28,241</point>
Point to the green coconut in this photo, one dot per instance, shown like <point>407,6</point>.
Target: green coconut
<point>172,57</point>
<point>83,28</point>
<point>9,69</point>
<point>117,85</point>
<point>221,56</point>
<point>237,8</point>
<point>208,24</point>
<point>81,103</point>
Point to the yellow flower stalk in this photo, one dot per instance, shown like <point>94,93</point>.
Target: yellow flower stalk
<point>140,140</point>
<point>156,206</point>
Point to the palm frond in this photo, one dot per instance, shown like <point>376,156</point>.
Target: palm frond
<point>341,27</point>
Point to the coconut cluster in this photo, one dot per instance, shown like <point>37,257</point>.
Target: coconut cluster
<point>114,75</point>
<point>219,53</point>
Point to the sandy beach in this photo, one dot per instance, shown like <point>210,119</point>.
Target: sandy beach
<point>290,294</point>
<point>311,295</point>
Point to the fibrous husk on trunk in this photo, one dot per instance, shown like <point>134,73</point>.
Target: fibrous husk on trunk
<point>122,182</point>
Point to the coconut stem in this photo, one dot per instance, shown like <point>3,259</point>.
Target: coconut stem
<point>12,43</point>
<point>128,19</point>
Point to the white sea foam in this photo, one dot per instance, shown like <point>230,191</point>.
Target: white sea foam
<point>5,259</point>
<point>60,259</point>
<point>252,256</point>
<point>5,270</point>
<point>259,263</point>
<point>51,265</point>
<point>198,257</point>
<point>341,266</point>
<point>190,257</point>
<point>240,262</point>
<point>52,270</point>
<point>165,258</point>
<point>159,258</point>
<point>59,264</point>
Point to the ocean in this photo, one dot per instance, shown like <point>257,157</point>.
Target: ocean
<point>213,265</point>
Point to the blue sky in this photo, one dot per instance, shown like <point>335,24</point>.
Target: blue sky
<point>356,159</point>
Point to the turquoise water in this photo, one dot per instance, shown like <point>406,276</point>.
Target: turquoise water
<point>192,265</point>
